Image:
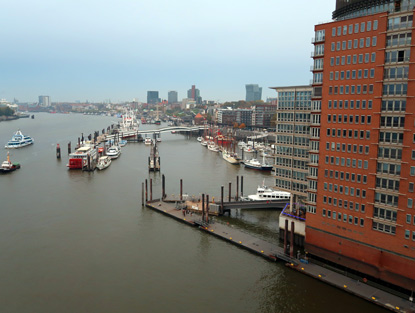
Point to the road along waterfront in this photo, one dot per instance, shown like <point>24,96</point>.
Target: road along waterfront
<point>76,241</point>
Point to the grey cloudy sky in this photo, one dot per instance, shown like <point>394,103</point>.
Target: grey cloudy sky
<point>99,50</point>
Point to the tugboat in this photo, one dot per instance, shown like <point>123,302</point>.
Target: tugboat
<point>19,140</point>
<point>8,166</point>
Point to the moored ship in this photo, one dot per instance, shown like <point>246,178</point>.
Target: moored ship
<point>129,125</point>
<point>79,158</point>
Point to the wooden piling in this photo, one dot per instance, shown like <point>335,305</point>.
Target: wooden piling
<point>292,240</point>
<point>221,199</point>
<point>163,187</point>
<point>207,209</point>
<point>203,206</point>
<point>286,236</point>
<point>151,189</point>
<point>146,191</point>
<point>230,190</point>
<point>142,194</point>
<point>242,186</point>
<point>237,188</point>
<point>181,189</point>
<point>69,148</point>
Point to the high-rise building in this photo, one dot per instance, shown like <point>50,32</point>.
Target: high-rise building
<point>253,92</point>
<point>292,144</point>
<point>360,206</point>
<point>194,94</point>
<point>153,97</point>
<point>172,97</point>
<point>44,101</point>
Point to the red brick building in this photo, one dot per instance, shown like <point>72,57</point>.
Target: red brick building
<point>363,126</point>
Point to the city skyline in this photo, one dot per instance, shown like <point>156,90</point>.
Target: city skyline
<point>91,51</point>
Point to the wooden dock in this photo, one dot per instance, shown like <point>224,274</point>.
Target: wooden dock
<point>273,252</point>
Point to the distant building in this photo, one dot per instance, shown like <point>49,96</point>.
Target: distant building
<point>194,94</point>
<point>253,92</point>
<point>226,116</point>
<point>44,101</point>
<point>188,103</point>
<point>199,119</point>
<point>262,115</point>
<point>153,97</point>
<point>244,116</point>
<point>172,97</point>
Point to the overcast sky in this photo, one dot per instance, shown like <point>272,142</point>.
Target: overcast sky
<point>118,50</point>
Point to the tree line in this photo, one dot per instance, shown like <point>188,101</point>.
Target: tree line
<point>6,111</point>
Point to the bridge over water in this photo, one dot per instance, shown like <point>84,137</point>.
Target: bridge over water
<point>157,131</point>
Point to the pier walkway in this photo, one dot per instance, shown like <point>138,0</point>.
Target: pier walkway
<point>273,252</point>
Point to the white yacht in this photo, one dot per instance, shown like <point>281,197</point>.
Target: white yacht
<point>19,140</point>
<point>148,141</point>
<point>114,152</point>
<point>266,193</point>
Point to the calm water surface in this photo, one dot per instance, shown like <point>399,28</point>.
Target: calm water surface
<point>74,241</point>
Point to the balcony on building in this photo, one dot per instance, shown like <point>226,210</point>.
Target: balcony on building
<point>318,39</point>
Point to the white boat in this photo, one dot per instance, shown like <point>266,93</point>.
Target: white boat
<point>103,162</point>
<point>199,139</point>
<point>19,140</point>
<point>204,143</point>
<point>256,165</point>
<point>148,141</point>
<point>114,152</point>
<point>122,143</point>
<point>266,193</point>
<point>213,147</point>
<point>230,157</point>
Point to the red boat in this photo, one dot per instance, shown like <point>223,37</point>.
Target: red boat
<point>79,158</point>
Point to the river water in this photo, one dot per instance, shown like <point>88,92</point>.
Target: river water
<point>74,241</point>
